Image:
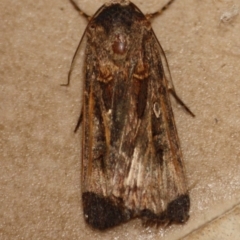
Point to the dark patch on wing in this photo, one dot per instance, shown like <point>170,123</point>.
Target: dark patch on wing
<point>176,212</point>
<point>178,209</point>
<point>102,212</point>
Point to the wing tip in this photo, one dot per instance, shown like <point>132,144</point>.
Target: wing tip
<point>102,212</point>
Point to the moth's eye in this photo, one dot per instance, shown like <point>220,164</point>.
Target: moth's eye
<point>119,45</point>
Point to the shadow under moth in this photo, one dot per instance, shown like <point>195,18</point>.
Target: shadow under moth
<point>132,164</point>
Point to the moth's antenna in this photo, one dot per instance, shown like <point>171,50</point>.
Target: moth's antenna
<point>165,62</point>
<point>77,8</point>
<point>75,54</point>
<point>159,12</point>
<point>73,61</point>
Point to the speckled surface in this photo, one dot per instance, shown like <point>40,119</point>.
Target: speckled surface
<point>40,155</point>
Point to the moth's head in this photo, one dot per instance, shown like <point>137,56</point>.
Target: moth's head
<point>118,13</point>
<point>115,25</point>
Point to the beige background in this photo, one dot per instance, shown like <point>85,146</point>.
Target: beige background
<point>40,155</point>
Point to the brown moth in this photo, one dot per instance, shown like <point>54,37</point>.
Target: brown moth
<point>132,164</point>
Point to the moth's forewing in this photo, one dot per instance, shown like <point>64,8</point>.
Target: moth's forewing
<point>132,163</point>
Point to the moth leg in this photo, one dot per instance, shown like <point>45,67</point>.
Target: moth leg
<point>79,122</point>
<point>159,12</point>
<point>178,99</point>
<point>77,8</point>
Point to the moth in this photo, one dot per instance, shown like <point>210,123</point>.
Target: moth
<point>132,164</point>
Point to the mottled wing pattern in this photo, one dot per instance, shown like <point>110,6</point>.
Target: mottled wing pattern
<point>132,163</point>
